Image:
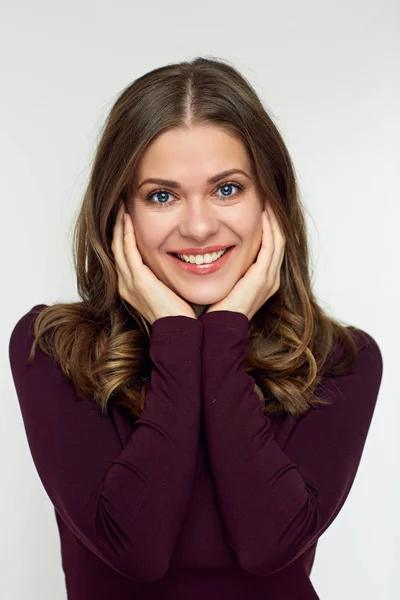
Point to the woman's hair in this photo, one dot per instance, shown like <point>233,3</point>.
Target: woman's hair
<point>102,343</point>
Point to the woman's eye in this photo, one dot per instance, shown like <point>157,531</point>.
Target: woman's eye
<point>163,194</point>
<point>231,185</point>
<point>158,193</point>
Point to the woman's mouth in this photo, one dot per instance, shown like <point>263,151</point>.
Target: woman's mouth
<point>205,268</point>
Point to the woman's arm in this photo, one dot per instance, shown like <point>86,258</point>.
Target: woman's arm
<point>276,503</point>
<point>126,506</point>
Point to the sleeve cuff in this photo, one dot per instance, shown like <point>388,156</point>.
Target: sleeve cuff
<point>178,324</point>
<point>225,318</point>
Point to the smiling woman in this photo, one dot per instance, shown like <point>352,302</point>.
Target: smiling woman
<point>197,420</point>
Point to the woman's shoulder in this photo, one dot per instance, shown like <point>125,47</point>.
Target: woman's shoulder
<point>369,360</point>
<point>367,345</point>
<point>22,334</point>
<point>24,320</point>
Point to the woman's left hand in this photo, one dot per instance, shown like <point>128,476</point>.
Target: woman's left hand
<point>262,279</point>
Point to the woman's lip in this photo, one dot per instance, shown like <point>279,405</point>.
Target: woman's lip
<point>204,269</point>
<point>201,253</point>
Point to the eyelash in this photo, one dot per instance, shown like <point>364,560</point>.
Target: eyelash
<point>161,205</point>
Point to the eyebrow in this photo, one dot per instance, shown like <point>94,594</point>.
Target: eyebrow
<point>175,184</point>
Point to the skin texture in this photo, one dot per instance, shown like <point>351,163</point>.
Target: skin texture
<point>197,213</point>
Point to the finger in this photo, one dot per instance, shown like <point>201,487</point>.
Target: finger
<point>132,254</point>
<point>279,243</point>
<point>117,243</point>
<point>277,230</point>
<point>267,250</point>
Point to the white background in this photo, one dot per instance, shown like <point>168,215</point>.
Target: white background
<point>328,73</point>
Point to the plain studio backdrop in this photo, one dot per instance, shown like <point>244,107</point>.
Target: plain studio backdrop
<point>328,73</point>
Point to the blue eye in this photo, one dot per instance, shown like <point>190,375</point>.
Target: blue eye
<point>163,194</point>
<point>159,192</point>
<point>230,185</point>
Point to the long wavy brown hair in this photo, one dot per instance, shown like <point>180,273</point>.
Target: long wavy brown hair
<point>102,343</point>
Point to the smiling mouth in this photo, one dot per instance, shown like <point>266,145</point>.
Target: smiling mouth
<point>188,262</point>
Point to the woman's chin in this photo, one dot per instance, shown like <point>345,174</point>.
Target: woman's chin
<point>198,304</point>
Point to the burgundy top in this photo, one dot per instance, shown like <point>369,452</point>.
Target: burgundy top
<point>203,496</point>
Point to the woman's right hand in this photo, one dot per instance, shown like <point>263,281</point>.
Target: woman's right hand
<point>137,284</point>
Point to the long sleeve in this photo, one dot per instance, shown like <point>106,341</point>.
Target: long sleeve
<point>126,504</point>
<point>276,503</point>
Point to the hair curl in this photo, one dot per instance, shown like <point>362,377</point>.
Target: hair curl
<point>100,342</point>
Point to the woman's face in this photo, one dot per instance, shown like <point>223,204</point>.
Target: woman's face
<point>195,213</point>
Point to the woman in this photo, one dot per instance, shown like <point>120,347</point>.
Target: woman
<point>198,420</point>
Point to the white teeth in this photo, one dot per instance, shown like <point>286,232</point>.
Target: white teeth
<point>200,259</point>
